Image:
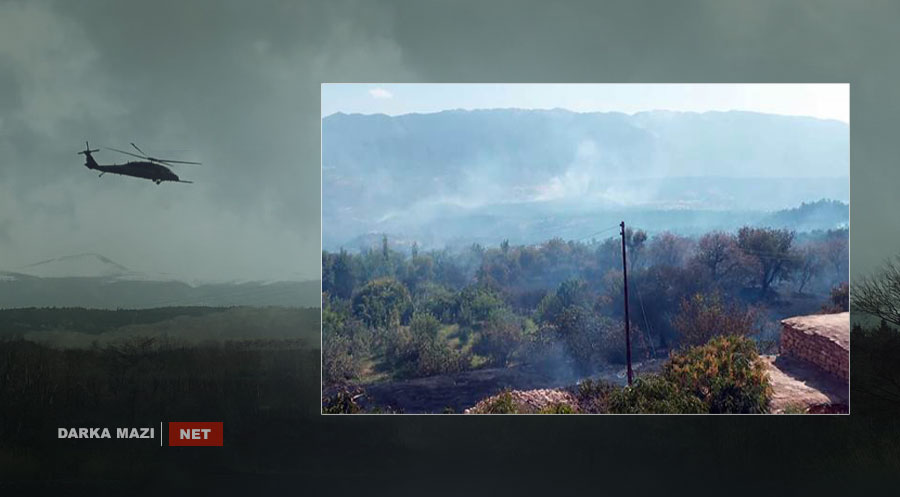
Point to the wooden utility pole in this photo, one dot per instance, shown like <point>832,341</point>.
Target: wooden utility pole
<point>627,320</point>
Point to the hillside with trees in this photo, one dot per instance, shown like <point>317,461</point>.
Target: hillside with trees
<point>558,307</point>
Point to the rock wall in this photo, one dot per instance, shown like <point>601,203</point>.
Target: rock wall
<point>822,340</point>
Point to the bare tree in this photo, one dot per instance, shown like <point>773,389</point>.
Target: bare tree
<point>635,242</point>
<point>718,252</point>
<point>771,248</point>
<point>810,264</point>
<point>669,249</point>
<point>835,253</point>
<point>879,294</point>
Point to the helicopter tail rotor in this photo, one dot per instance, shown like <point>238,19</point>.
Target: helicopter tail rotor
<point>87,149</point>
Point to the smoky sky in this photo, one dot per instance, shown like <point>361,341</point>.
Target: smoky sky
<point>236,85</point>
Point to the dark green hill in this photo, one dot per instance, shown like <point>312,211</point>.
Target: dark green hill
<point>79,328</point>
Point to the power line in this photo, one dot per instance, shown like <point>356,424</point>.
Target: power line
<point>597,233</point>
<point>648,331</point>
<point>560,227</point>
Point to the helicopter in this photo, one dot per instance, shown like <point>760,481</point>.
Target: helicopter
<point>156,170</point>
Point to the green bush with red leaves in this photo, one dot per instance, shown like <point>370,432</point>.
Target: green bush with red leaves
<point>726,374</point>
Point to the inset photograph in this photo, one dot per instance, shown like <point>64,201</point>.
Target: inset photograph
<point>585,248</point>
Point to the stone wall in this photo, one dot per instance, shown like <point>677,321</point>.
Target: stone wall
<point>822,340</point>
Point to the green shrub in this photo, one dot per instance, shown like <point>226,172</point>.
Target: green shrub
<point>500,337</point>
<point>726,374</point>
<point>382,303</point>
<point>345,343</point>
<point>418,350</point>
<point>340,362</point>
<point>435,356</point>
<point>654,394</point>
<point>548,309</point>
<point>569,293</point>
<point>476,304</point>
<point>436,300</point>
<point>424,325</point>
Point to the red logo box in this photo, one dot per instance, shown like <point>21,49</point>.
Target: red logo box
<point>200,434</point>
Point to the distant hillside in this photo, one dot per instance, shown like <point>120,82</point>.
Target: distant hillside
<point>823,214</point>
<point>95,281</point>
<point>535,224</point>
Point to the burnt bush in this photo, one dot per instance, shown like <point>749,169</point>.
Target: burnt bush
<point>593,395</point>
<point>704,316</point>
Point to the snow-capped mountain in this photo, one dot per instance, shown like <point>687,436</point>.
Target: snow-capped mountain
<point>86,265</point>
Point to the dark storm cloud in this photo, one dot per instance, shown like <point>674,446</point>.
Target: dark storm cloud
<point>236,84</point>
<point>233,84</point>
<point>705,41</point>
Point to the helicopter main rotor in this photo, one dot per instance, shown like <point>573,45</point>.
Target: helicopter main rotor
<point>165,162</point>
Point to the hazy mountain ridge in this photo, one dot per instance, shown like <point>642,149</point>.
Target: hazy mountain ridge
<point>97,282</point>
<point>501,172</point>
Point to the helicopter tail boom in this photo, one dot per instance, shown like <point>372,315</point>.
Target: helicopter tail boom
<point>89,161</point>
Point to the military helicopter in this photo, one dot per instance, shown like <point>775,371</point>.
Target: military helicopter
<point>151,168</point>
